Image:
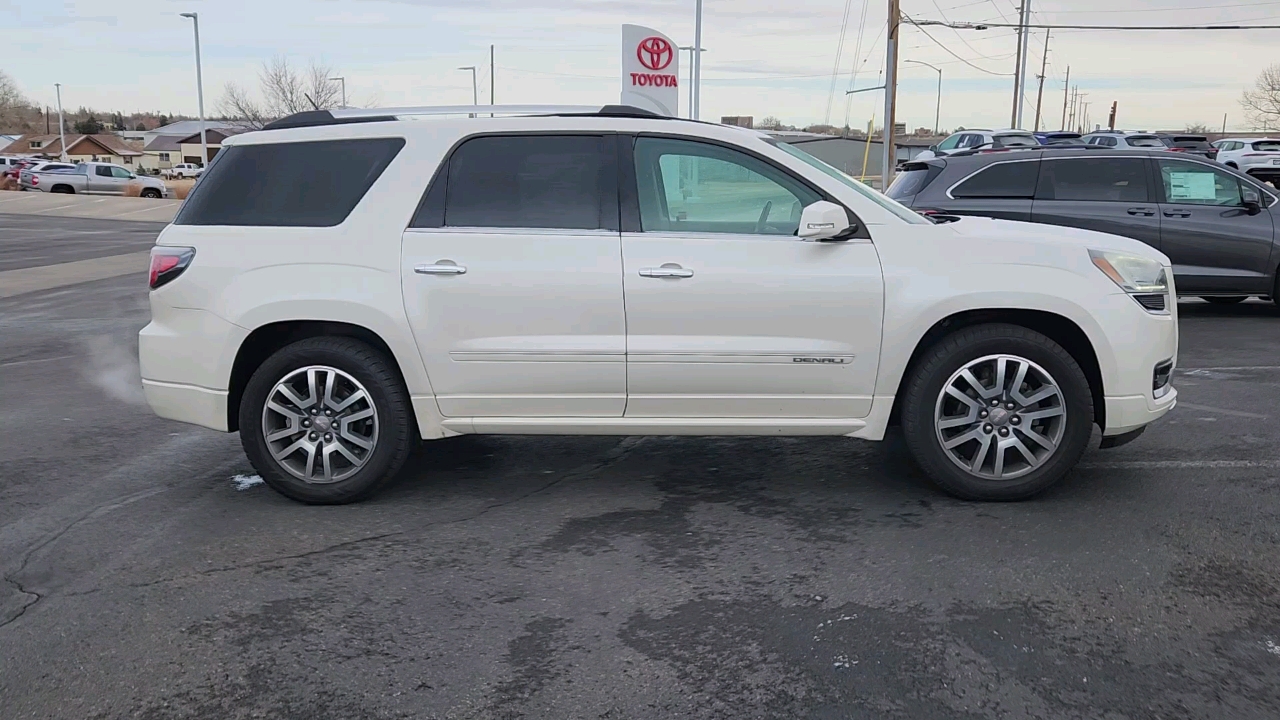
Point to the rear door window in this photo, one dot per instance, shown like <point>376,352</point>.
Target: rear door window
<point>1094,179</point>
<point>911,181</point>
<point>1002,180</point>
<point>532,181</point>
<point>297,184</point>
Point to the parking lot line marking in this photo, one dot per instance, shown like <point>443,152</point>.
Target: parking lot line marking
<point>37,360</point>
<point>57,207</point>
<point>20,197</point>
<point>1179,464</point>
<point>147,209</point>
<point>47,277</point>
<point>1222,411</point>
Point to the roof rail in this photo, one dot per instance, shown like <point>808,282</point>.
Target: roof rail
<point>313,118</point>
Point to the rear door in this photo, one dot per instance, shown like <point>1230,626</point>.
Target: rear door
<point>512,276</point>
<point>1000,190</point>
<point>1105,194</point>
<point>1214,243</point>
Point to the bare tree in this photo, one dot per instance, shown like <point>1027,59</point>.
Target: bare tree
<point>1262,103</point>
<point>769,122</point>
<point>15,108</point>
<point>1196,129</point>
<point>284,89</point>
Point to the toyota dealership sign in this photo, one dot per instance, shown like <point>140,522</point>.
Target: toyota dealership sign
<point>650,64</point>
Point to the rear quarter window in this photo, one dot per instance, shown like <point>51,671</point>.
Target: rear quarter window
<point>298,184</point>
<point>914,178</point>
<point>1015,180</point>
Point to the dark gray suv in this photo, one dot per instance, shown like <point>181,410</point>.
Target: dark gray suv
<point>1219,227</point>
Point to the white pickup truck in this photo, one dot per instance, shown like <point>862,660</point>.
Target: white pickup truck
<point>94,179</point>
<point>184,170</point>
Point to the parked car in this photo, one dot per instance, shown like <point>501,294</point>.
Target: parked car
<point>1257,157</point>
<point>1190,144</point>
<point>1217,226</point>
<point>1121,139</point>
<point>26,171</point>
<point>96,179</point>
<point>617,272</point>
<point>974,139</point>
<point>184,170</point>
<point>12,166</point>
<point>1058,137</point>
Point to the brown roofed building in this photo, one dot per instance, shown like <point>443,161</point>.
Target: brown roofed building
<point>80,148</point>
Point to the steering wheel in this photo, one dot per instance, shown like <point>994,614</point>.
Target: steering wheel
<point>764,215</point>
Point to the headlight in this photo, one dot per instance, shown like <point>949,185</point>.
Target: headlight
<point>1135,275</point>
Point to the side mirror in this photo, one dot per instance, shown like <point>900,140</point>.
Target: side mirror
<point>933,148</point>
<point>1252,201</point>
<point>823,221</point>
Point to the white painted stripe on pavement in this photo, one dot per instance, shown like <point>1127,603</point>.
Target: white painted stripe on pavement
<point>47,277</point>
<point>1178,464</point>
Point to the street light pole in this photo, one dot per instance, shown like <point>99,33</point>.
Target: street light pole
<point>691,51</point>
<point>475,92</point>
<point>204,138</point>
<point>62,132</point>
<point>937,113</point>
<point>342,81</point>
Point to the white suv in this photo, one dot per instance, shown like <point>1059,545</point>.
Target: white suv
<point>347,282</point>
<point>1259,157</point>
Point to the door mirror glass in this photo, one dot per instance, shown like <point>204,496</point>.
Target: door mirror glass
<point>933,148</point>
<point>1252,200</point>
<point>822,220</point>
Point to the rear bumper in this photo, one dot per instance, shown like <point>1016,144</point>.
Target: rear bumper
<point>1128,413</point>
<point>187,403</point>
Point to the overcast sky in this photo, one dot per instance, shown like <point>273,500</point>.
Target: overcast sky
<point>764,57</point>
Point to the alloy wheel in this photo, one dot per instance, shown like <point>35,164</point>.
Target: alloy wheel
<point>320,424</point>
<point>1000,417</point>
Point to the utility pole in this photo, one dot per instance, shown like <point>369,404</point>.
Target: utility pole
<point>1022,60</point>
<point>62,129</point>
<point>1111,121</point>
<point>491,74</point>
<point>1066,86</point>
<point>1071,118</point>
<point>697,61</point>
<point>890,155</point>
<point>1017,69</point>
<point>46,120</point>
<point>1044,64</point>
<point>1085,114</point>
<point>1224,123</point>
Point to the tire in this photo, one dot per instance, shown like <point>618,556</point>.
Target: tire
<point>1224,299</point>
<point>355,366</point>
<point>978,348</point>
<point>63,190</point>
<point>150,193</point>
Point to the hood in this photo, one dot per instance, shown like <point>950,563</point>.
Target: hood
<point>1053,236</point>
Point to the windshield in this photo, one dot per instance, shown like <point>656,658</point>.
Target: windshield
<point>1145,141</point>
<point>892,206</point>
<point>1017,140</point>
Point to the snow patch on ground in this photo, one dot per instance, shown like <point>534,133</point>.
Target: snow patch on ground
<point>244,482</point>
<point>1272,647</point>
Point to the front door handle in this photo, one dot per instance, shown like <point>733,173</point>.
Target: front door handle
<point>670,270</point>
<point>1144,212</point>
<point>1177,213</point>
<point>441,267</point>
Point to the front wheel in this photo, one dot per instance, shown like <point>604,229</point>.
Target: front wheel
<point>997,412</point>
<point>326,420</point>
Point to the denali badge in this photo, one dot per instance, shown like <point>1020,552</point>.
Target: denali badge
<point>822,360</point>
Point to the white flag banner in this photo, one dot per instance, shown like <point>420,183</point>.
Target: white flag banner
<point>650,70</point>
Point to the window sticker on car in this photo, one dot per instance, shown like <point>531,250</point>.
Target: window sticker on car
<point>1191,186</point>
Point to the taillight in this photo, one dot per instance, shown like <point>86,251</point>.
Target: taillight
<point>35,179</point>
<point>167,263</point>
<point>1177,149</point>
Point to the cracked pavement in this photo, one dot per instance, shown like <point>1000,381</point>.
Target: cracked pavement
<point>540,577</point>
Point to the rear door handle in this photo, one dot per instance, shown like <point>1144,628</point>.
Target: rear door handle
<point>669,270</point>
<point>1144,212</point>
<point>1176,213</point>
<point>442,267</point>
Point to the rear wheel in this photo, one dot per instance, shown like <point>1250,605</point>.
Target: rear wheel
<point>326,420</point>
<point>1224,300</point>
<point>150,193</point>
<point>63,189</point>
<point>997,412</point>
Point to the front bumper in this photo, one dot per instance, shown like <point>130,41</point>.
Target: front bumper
<point>1128,413</point>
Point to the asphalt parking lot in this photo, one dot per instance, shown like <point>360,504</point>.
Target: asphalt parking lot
<point>506,577</point>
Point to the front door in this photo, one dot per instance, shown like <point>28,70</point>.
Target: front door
<point>1104,193</point>
<point>729,314</point>
<point>106,180</point>
<point>1214,243</point>
<point>512,279</point>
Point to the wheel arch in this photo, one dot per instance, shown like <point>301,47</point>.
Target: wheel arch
<point>264,341</point>
<point>1058,328</point>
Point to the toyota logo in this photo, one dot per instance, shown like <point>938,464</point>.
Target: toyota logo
<point>654,53</point>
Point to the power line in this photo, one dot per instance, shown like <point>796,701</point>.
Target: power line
<point>952,53</point>
<point>959,36</point>
<point>1045,26</point>
<point>835,67</point>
